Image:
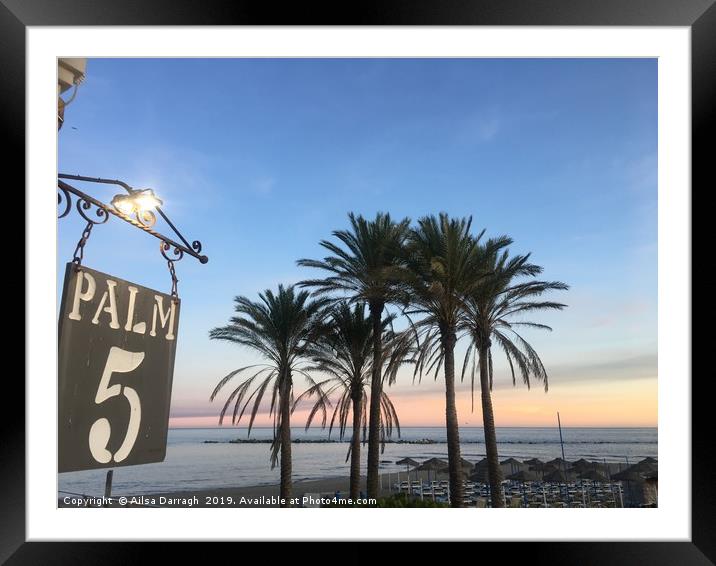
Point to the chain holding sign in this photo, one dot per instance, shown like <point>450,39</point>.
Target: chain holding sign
<point>117,342</point>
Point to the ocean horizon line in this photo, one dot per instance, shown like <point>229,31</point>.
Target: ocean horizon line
<point>411,427</point>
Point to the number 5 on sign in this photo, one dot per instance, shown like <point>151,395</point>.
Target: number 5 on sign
<point>118,361</point>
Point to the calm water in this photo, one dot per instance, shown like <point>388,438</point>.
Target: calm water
<point>192,464</point>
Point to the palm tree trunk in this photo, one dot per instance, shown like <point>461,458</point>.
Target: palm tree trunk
<point>453,432</point>
<point>285,401</point>
<point>355,446</point>
<point>488,419</point>
<point>376,389</point>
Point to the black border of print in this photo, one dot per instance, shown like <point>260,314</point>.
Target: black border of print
<point>698,15</point>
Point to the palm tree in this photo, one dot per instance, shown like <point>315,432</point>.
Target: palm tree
<point>489,317</point>
<point>446,268</point>
<point>345,354</point>
<point>280,327</point>
<point>366,265</point>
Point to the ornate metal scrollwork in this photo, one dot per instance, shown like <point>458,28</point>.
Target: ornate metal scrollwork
<point>170,249</point>
<point>86,205</point>
<point>164,247</point>
<point>64,199</point>
<point>146,218</point>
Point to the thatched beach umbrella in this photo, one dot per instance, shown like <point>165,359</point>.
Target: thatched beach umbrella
<point>523,476</point>
<point>630,474</point>
<point>536,465</point>
<point>433,465</point>
<point>559,463</point>
<point>466,466</point>
<point>644,466</point>
<point>543,468</point>
<point>514,464</point>
<point>633,474</point>
<point>408,463</point>
<point>480,474</point>
<point>559,476</point>
<point>652,481</point>
<point>593,475</point>
<point>481,464</point>
<point>582,464</point>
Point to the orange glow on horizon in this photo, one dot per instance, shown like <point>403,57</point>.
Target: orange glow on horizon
<point>631,403</point>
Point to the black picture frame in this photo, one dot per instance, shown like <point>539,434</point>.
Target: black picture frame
<point>699,15</point>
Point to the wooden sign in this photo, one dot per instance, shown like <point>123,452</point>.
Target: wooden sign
<point>117,342</point>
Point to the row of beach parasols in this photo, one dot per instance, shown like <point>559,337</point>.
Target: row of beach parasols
<point>556,470</point>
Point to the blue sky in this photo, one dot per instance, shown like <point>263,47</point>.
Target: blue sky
<point>260,159</point>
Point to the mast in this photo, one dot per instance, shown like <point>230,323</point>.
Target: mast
<point>564,462</point>
<point>559,424</point>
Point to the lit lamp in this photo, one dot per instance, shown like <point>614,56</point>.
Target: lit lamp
<point>139,203</point>
<point>146,200</point>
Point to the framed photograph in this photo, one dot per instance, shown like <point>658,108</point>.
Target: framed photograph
<point>438,261</point>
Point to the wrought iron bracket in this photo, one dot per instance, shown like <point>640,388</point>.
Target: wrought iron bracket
<point>170,249</point>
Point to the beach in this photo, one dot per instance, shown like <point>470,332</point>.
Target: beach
<point>194,465</point>
<point>417,484</point>
<point>219,468</point>
<point>246,496</point>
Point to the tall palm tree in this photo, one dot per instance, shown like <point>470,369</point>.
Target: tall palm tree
<point>490,318</point>
<point>345,354</point>
<point>281,327</point>
<point>366,266</point>
<point>446,268</point>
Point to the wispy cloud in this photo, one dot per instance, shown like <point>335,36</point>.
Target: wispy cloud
<point>642,366</point>
<point>429,395</point>
<point>611,369</point>
<point>264,185</point>
<point>489,123</point>
<point>488,128</point>
<point>617,314</point>
<point>642,174</point>
<point>483,126</point>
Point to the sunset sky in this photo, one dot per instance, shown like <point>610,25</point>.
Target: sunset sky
<point>260,159</point>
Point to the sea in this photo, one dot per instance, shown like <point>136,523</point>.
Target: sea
<point>204,458</point>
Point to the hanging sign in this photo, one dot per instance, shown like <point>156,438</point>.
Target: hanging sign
<point>117,342</point>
